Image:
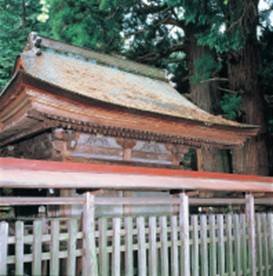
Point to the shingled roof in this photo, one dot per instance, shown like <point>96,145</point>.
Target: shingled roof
<point>110,80</point>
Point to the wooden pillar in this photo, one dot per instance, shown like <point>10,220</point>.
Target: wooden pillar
<point>184,233</point>
<point>127,145</point>
<point>65,211</point>
<point>270,229</point>
<point>89,263</point>
<point>250,216</point>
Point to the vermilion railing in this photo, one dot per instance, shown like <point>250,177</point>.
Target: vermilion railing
<point>21,173</point>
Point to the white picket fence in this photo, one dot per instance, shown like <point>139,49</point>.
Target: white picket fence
<point>137,245</point>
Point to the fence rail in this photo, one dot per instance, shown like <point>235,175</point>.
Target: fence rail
<point>183,244</point>
<point>104,201</point>
<point>218,245</point>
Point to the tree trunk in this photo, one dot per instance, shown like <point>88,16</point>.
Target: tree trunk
<point>243,77</point>
<point>205,96</point>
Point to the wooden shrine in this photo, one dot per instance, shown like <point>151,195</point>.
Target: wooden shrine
<point>69,103</point>
<point>120,133</point>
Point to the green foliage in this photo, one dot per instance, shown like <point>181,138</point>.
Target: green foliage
<point>92,24</point>
<point>205,67</point>
<point>230,105</point>
<point>17,19</point>
<point>220,41</point>
<point>266,71</point>
<point>151,32</point>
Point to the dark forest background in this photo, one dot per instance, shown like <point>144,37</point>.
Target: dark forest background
<point>218,53</point>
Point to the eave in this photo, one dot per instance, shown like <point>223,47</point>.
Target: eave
<point>42,121</point>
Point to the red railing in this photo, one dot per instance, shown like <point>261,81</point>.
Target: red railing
<point>22,173</point>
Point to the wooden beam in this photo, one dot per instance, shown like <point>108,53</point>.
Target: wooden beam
<point>138,201</point>
<point>250,216</point>
<point>184,217</point>
<point>17,173</point>
<point>90,266</point>
<point>4,247</point>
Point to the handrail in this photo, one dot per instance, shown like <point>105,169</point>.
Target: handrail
<point>31,174</point>
<point>28,201</point>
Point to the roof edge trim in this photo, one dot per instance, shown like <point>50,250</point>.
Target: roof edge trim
<point>101,58</point>
<point>34,81</point>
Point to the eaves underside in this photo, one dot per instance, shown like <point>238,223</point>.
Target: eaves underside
<point>41,122</point>
<point>49,121</point>
<point>46,86</point>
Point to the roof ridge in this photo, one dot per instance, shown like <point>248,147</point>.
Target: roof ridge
<point>37,42</point>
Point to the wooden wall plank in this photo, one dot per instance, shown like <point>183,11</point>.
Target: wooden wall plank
<point>19,248</point>
<point>164,246</point>
<point>243,233</point>
<point>142,265</point>
<point>4,247</point>
<point>174,247</point>
<point>221,245</point>
<point>213,244</point>
<point>270,230</point>
<point>195,245</point>
<point>129,261</point>
<point>37,248</point>
<point>116,260</point>
<point>89,246</point>
<point>184,234</point>
<point>259,245</point>
<point>71,247</point>
<point>153,266</point>
<point>103,253</point>
<point>204,245</point>
<point>55,247</point>
<point>250,215</point>
<point>265,243</point>
<point>230,248</point>
<point>237,238</point>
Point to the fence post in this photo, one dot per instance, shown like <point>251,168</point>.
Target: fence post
<point>250,216</point>
<point>4,247</point>
<point>90,266</point>
<point>185,235</point>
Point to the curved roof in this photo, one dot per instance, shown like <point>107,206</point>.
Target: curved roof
<point>90,76</point>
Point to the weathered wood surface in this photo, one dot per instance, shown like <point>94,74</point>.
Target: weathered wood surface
<point>250,215</point>
<point>37,248</point>
<point>130,236</point>
<point>55,244</point>
<point>153,252</point>
<point>19,248</point>
<point>90,258</point>
<point>174,247</point>
<point>72,246</point>
<point>129,259</point>
<point>92,117</point>
<point>142,252</point>
<point>16,173</point>
<point>4,247</point>
<point>104,201</point>
<point>184,233</point>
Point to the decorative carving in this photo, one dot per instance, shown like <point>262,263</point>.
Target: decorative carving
<point>98,140</point>
<point>126,143</point>
<point>34,43</point>
<point>87,127</point>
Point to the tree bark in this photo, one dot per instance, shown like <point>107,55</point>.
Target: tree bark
<point>243,66</point>
<point>205,96</point>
